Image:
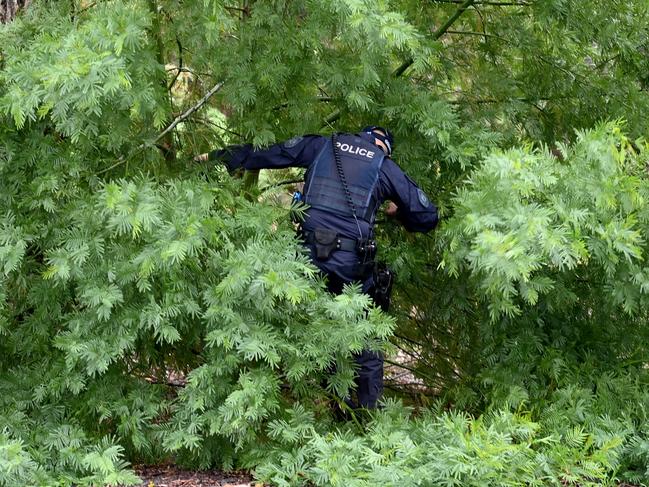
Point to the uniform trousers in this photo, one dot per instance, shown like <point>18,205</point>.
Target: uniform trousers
<point>369,376</point>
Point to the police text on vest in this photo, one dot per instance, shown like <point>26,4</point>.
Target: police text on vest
<point>352,149</point>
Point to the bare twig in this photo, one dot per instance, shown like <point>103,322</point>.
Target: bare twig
<point>180,65</point>
<point>409,369</point>
<point>484,101</point>
<point>438,33</point>
<point>236,9</point>
<point>472,33</point>
<point>214,124</point>
<point>282,183</point>
<point>189,112</point>
<point>180,58</point>
<point>169,128</point>
<point>86,8</point>
<point>408,62</point>
<point>151,380</point>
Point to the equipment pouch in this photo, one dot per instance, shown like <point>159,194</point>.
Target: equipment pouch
<point>325,241</point>
<point>381,291</point>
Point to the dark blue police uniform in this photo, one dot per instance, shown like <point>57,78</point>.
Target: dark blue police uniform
<point>371,178</point>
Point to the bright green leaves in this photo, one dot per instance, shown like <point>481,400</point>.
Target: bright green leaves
<point>13,245</point>
<point>452,448</point>
<point>84,77</point>
<point>524,216</point>
<point>131,209</point>
<point>148,278</point>
<point>112,282</point>
<point>106,463</point>
<point>16,465</point>
<point>69,447</point>
<point>254,398</point>
<point>384,28</point>
<point>102,299</point>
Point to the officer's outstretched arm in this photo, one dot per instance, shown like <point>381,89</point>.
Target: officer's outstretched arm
<point>415,211</point>
<point>296,152</point>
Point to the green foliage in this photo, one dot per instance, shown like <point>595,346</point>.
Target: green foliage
<point>524,219</point>
<point>500,448</point>
<point>150,309</point>
<point>229,297</point>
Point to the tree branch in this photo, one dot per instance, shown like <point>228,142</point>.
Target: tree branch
<point>438,33</point>
<point>487,2</point>
<point>214,124</point>
<point>408,62</point>
<point>180,64</point>
<point>237,9</point>
<point>189,112</point>
<point>282,183</point>
<point>472,33</point>
<point>486,101</point>
<point>169,128</point>
<point>179,69</point>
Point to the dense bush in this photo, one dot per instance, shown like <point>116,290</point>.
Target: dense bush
<point>152,309</point>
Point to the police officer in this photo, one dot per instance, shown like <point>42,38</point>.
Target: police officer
<point>348,177</point>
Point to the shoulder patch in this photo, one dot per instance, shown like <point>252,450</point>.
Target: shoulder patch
<point>423,199</point>
<point>293,142</point>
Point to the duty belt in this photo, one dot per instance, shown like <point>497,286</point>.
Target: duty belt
<point>341,243</point>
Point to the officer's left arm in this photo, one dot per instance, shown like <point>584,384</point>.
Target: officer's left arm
<point>415,211</point>
<point>296,152</point>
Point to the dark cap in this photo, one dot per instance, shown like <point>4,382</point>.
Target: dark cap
<point>387,139</point>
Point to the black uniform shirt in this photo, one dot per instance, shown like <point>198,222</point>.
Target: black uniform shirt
<point>416,212</point>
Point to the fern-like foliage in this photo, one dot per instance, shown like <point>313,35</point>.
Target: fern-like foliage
<point>151,309</point>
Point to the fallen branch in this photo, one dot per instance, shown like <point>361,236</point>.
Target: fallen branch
<point>169,128</point>
<point>189,112</point>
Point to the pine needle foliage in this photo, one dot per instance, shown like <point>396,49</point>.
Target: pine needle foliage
<point>152,309</point>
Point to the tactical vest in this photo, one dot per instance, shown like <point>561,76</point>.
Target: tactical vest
<point>361,162</point>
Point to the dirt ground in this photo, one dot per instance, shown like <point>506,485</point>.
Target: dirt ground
<point>171,476</point>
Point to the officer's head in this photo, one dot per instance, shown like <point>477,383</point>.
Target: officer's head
<point>382,138</point>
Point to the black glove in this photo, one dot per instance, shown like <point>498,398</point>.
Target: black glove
<point>227,156</point>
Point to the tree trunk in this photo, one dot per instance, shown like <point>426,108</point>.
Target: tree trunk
<point>9,9</point>
<point>166,145</point>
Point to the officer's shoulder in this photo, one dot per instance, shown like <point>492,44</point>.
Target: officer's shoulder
<point>391,169</point>
<point>301,139</point>
<point>389,163</point>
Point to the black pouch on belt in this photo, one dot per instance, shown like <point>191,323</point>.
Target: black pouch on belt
<point>325,241</point>
<point>381,291</point>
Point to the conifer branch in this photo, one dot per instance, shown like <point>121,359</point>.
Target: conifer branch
<point>438,33</point>
<point>169,128</point>
<point>408,62</point>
